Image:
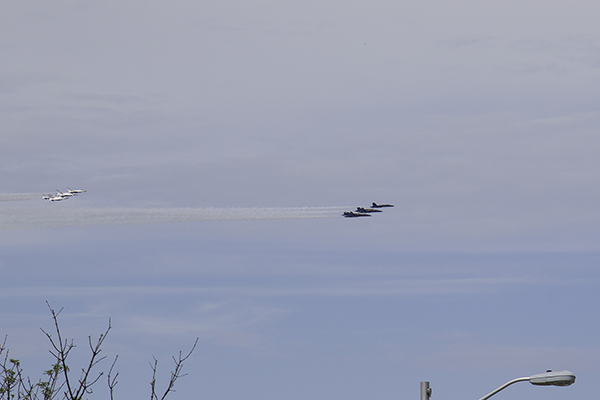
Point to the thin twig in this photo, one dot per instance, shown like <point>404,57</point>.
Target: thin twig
<point>112,381</point>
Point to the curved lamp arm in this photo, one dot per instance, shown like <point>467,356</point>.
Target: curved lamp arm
<point>487,396</point>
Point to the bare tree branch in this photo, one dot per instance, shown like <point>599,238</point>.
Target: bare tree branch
<point>58,381</point>
<point>153,395</point>
<point>61,350</point>
<point>175,374</point>
<point>84,383</point>
<point>112,381</point>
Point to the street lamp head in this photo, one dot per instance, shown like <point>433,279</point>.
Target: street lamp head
<point>558,378</point>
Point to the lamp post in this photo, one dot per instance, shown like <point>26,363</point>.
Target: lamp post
<point>425,391</point>
<point>558,378</point>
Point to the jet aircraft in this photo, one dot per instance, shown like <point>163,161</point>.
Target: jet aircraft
<point>61,194</point>
<point>352,214</point>
<point>366,210</point>
<point>375,205</point>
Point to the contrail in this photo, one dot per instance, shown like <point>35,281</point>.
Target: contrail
<point>28,219</point>
<point>20,196</point>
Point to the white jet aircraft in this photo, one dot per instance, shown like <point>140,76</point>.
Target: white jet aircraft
<point>75,191</point>
<point>65,195</point>
<point>58,198</point>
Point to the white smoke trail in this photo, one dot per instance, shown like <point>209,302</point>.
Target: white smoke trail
<point>20,196</point>
<point>127,216</point>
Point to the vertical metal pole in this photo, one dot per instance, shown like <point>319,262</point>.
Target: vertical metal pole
<point>425,391</point>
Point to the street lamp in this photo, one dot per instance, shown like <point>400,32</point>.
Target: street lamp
<point>558,378</point>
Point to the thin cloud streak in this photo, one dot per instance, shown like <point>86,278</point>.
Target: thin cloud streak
<point>81,217</point>
<point>397,287</point>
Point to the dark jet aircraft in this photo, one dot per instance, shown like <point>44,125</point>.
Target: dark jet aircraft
<point>375,205</point>
<point>366,210</point>
<point>351,214</point>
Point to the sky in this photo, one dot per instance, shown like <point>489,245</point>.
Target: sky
<point>219,143</point>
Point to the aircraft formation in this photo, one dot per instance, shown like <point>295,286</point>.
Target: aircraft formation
<point>365,212</point>
<point>59,196</point>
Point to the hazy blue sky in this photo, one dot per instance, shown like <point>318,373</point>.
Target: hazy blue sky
<point>478,120</point>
